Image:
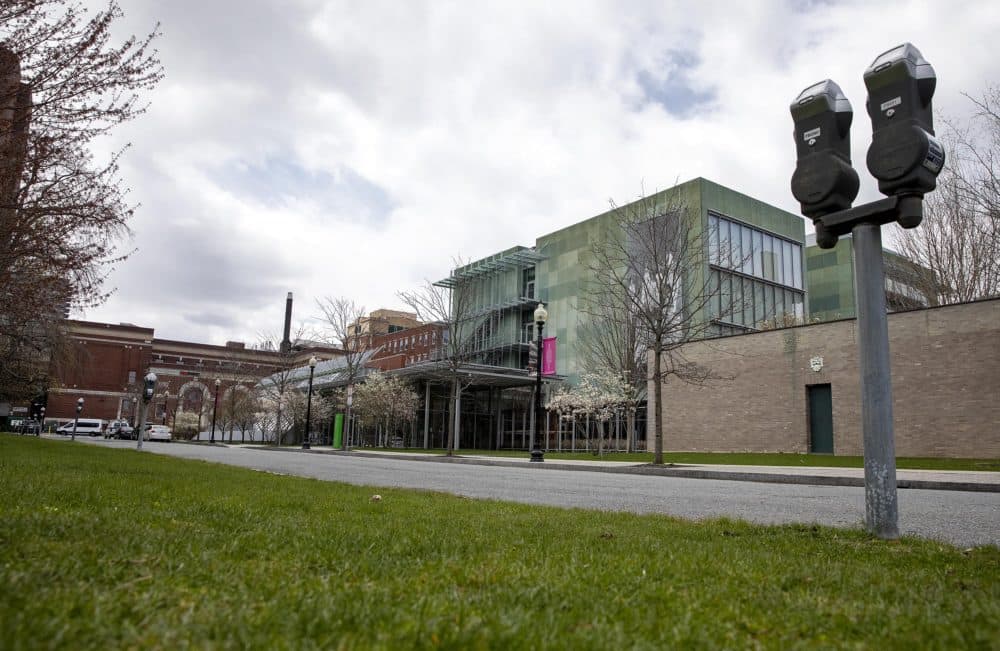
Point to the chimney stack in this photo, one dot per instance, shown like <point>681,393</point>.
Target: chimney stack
<point>286,342</point>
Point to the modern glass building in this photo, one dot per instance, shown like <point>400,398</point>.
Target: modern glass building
<point>753,261</point>
<point>749,258</point>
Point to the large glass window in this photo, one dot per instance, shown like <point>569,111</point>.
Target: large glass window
<point>726,313</point>
<point>713,302</point>
<point>748,319</point>
<point>735,232</point>
<point>758,254</point>
<point>758,303</point>
<point>747,263</point>
<point>745,250</point>
<point>713,239</point>
<point>768,257</point>
<point>797,266</point>
<point>799,307</point>
<point>725,250</point>
<point>786,260</point>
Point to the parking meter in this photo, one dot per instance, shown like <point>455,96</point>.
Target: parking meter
<point>824,180</point>
<point>904,156</point>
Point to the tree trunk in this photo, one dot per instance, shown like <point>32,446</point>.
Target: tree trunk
<point>277,426</point>
<point>630,434</point>
<point>452,403</point>
<point>658,399</point>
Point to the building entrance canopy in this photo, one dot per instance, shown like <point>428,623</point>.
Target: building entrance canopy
<point>475,374</point>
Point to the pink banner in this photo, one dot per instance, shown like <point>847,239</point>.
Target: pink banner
<point>549,356</point>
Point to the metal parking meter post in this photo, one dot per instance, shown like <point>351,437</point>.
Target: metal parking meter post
<point>881,503</point>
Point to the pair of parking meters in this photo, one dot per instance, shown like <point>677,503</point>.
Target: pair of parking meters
<point>903,156</point>
<point>906,160</point>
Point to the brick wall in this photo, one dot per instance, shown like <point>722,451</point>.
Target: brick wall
<point>945,381</point>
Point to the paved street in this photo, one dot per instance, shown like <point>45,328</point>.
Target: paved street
<point>961,518</point>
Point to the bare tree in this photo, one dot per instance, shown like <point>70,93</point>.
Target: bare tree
<point>957,246</point>
<point>62,214</point>
<point>452,305</point>
<point>342,327</point>
<point>610,342</point>
<point>650,266</point>
<point>245,408</point>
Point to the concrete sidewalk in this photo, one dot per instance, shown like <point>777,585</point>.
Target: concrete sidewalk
<point>958,480</point>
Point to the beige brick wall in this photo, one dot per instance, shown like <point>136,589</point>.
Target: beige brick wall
<point>945,382</point>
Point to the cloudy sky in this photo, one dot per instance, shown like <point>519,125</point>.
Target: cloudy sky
<point>355,148</point>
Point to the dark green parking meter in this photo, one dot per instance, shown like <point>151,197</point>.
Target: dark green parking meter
<point>824,181</point>
<point>904,156</point>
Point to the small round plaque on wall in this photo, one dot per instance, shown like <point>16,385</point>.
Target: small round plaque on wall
<point>816,364</point>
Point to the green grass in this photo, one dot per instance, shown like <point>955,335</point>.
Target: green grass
<point>109,548</point>
<point>739,458</point>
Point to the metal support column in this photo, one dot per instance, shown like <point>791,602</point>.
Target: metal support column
<point>881,507</point>
<point>427,414</point>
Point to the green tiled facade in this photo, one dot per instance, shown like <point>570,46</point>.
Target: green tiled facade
<point>830,282</point>
<point>562,275</point>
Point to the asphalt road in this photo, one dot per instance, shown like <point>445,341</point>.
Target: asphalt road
<point>964,519</point>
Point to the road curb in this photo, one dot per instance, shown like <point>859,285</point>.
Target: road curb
<point>676,471</point>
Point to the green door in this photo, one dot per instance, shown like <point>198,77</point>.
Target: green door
<point>820,418</point>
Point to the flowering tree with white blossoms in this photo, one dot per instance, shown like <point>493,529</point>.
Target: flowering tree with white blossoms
<point>385,402</point>
<point>599,395</point>
<point>320,412</point>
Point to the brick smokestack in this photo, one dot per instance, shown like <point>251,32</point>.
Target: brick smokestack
<point>286,342</point>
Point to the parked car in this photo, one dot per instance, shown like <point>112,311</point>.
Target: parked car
<point>158,433</point>
<point>119,429</point>
<point>25,426</point>
<point>84,426</point>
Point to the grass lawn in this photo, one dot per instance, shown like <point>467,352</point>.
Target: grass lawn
<point>110,548</point>
<point>740,459</point>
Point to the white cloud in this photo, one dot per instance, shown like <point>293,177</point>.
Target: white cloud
<point>465,128</point>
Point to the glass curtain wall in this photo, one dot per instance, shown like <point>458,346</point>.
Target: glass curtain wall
<point>756,277</point>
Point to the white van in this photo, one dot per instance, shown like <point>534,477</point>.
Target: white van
<point>84,427</point>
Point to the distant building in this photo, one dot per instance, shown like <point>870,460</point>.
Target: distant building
<point>109,363</point>
<point>382,322</point>
<point>830,281</point>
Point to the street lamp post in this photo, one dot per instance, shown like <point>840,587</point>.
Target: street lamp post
<point>309,397</point>
<point>145,397</point>
<point>79,408</point>
<point>215,408</point>
<point>42,423</point>
<point>541,316</point>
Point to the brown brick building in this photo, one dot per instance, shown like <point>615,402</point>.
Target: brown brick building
<point>407,347</point>
<point>110,362</point>
<point>798,389</point>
